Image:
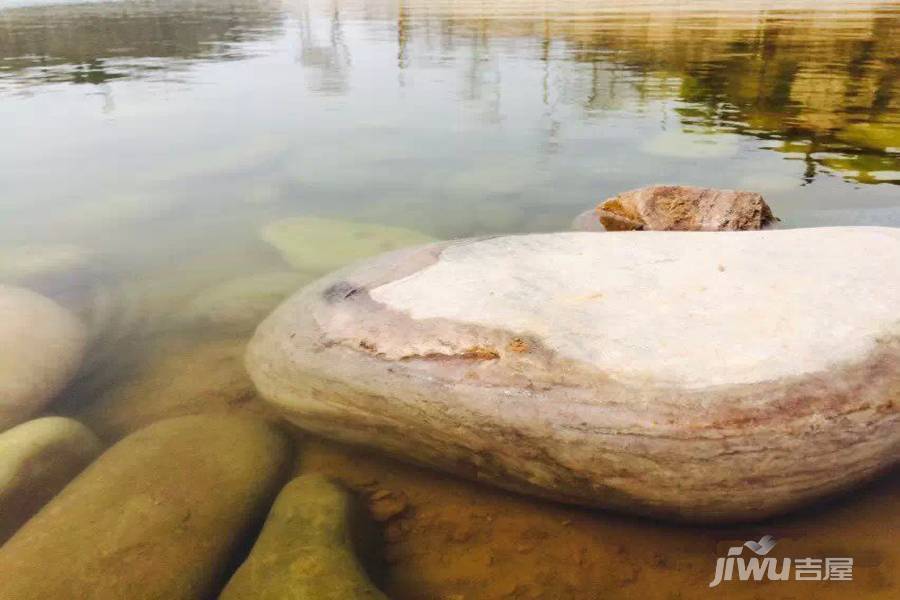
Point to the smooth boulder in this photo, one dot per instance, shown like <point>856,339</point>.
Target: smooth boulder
<point>38,263</point>
<point>678,208</point>
<point>38,458</point>
<point>169,377</point>
<point>307,548</point>
<point>715,377</point>
<point>318,245</point>
<point>240,304</point>
<point>159,515</point>
<point>41,346</point>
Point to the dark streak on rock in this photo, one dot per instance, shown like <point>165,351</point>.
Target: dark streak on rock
<point>340,291</point>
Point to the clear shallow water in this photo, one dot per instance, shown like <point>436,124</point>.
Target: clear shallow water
<point>149,142</point>
<point>455,118</point>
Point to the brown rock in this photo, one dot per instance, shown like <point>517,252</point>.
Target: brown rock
<point>169,377</point>
<point>385,505</point>
<point>308,548</point>
<point>159,515</point>
<point>41,347</point>
<point>682,208</point>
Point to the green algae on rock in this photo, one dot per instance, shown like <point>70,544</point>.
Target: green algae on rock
<point>306,550</point>
<point>38,458</point>
<point>159,515</point>
<point>41,346</point>
<point>319,245</point>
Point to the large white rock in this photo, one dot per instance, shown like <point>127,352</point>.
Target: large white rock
<point>41,347</point>
<point>161,515</point>
<point>701,376</point>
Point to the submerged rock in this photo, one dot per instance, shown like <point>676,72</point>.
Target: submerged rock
<point>589,220</point>
<point>240,304</point>
<point>37,459</point>
<point>41,347</point>
<point>29,262</point>
<point>319,245</point>
<point>64,272</point>
<point>725,376</point>
<point>166,377</point>
<point>306,550</point>
<point>678,208</point>
<point>159,515</point>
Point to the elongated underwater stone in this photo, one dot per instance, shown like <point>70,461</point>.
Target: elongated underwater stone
<point>38,458</point>
<point>41,263</point>
<point>307,548</point>
<point>170,377</point>
<point>159,515</point>
<point>699,376</point>
<point>238,305</point>
<point>318,245</point>
<point>41,346</point>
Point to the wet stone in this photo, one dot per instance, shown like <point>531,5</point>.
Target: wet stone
<point>166,376</point>
<point>41,347</point>
<point>159,515</point>
<point>308,548</point>
<point>319,245</point>
<point>678,208</point>
<point>38,458</point>
<point>384,505</point>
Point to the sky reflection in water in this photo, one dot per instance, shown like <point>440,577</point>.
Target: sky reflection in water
<point>457,118</point>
